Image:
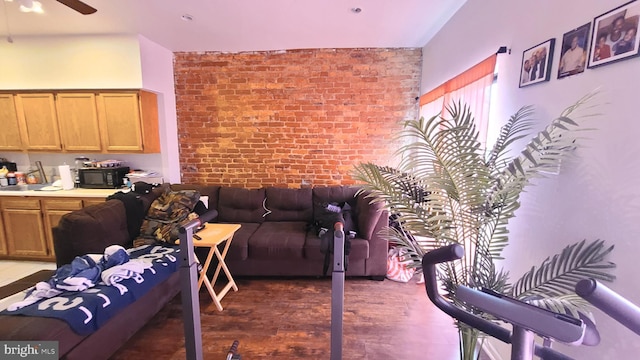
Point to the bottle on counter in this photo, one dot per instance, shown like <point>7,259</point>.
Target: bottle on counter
<point>3,176</point>
<point>32,179</point>
<point>11,179</point>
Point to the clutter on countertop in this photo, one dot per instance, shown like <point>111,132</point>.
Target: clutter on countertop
<point>150,177</point>
<point>11,166</point>
<point>104,163</point>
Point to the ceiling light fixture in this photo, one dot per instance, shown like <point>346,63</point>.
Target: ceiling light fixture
<point>187,17</point>
<point>356,10</point>
<point>31,6</point>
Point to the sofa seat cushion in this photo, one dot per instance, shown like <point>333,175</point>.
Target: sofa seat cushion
<point>101,344</point>
<point>278,240</point>
<point>359,248</point>
<point>239,248</point>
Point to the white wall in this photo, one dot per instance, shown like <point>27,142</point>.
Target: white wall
<point>596,196</point>
<point>73,62</point>
<point>95,62</point>
<point>157,75</point>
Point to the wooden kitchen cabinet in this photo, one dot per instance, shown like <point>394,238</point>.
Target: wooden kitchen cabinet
<point>24,228</point>
<point>78,120</point>
<point>10,133</point>
<point>101,121</point>
<point>26,224</point>
<point>3,240</point>
<point>38,121</point>
<point>92,201</point>
<point>129,121</point>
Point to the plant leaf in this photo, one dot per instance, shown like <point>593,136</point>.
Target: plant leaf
<point>557,275</point>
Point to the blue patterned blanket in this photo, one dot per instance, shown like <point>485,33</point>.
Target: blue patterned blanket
<point>86,311</point>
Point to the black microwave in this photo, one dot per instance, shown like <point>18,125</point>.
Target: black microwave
<point>102,178</point>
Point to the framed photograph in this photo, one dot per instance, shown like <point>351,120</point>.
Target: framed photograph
<point>536,63</point>
<point>573,54</point>
<point>615,35</point>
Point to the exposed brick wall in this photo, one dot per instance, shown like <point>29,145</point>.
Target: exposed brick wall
<point>287,117</point>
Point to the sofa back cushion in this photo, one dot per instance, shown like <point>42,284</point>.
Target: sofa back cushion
<point>90,230</point>
<point>285,204</point>
<point>338,195</point>
<point>238,205</point>
<point>329,194</point>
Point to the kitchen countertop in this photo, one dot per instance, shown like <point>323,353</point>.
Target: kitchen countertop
<point>84,193</point>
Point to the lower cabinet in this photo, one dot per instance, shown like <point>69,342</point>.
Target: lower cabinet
<point>3,239</point>
<point>28,224</point>
<point>87,202</point>
<point>24,228</point>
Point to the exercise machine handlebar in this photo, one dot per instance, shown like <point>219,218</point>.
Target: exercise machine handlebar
<point>450,253</point>
<point>455,252</point>
<point>611,303</point>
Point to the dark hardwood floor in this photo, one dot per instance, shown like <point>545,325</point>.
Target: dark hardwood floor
<point>291,319</point>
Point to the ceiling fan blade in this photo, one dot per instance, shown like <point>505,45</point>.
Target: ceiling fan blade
<point>78,6</point>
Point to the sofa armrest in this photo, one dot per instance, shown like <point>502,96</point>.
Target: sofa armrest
<point>369,215</point>
<point>379,246</point>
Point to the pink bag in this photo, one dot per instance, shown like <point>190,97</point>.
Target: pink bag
<point>397,269</point>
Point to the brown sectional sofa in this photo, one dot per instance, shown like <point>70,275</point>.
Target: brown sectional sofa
<point>274,240</point>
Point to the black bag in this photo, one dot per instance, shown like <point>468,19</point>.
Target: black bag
<point>325,217</point>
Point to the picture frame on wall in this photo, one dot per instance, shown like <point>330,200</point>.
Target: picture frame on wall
<point>615,35</point>
<point>536,63</point>
<point>573,53</point>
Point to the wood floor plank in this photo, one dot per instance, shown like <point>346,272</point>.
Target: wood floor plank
<point>291,319</point>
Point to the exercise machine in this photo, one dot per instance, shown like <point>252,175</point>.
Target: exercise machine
<point>611,303</point>
<point>189,286</point>
<point>527,320</point>
<point>337,291</point>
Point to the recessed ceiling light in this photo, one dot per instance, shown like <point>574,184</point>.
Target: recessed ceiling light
<point>187,17</point>
<point>356,10</point>
<point>31,6</point>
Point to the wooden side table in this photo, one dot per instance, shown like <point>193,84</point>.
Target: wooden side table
<point>212,236</point>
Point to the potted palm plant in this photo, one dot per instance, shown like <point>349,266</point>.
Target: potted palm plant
<point>447,189</point>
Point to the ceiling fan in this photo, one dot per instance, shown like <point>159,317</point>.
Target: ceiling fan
<point>78,6</point>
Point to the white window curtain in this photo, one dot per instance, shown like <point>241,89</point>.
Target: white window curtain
<point>472,87</point>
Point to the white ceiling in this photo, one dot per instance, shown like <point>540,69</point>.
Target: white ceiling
<point>242,25</point>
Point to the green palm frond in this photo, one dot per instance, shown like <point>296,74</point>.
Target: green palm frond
<point>558,275</point>
<point>515,129</point>
<point>544,151</point>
